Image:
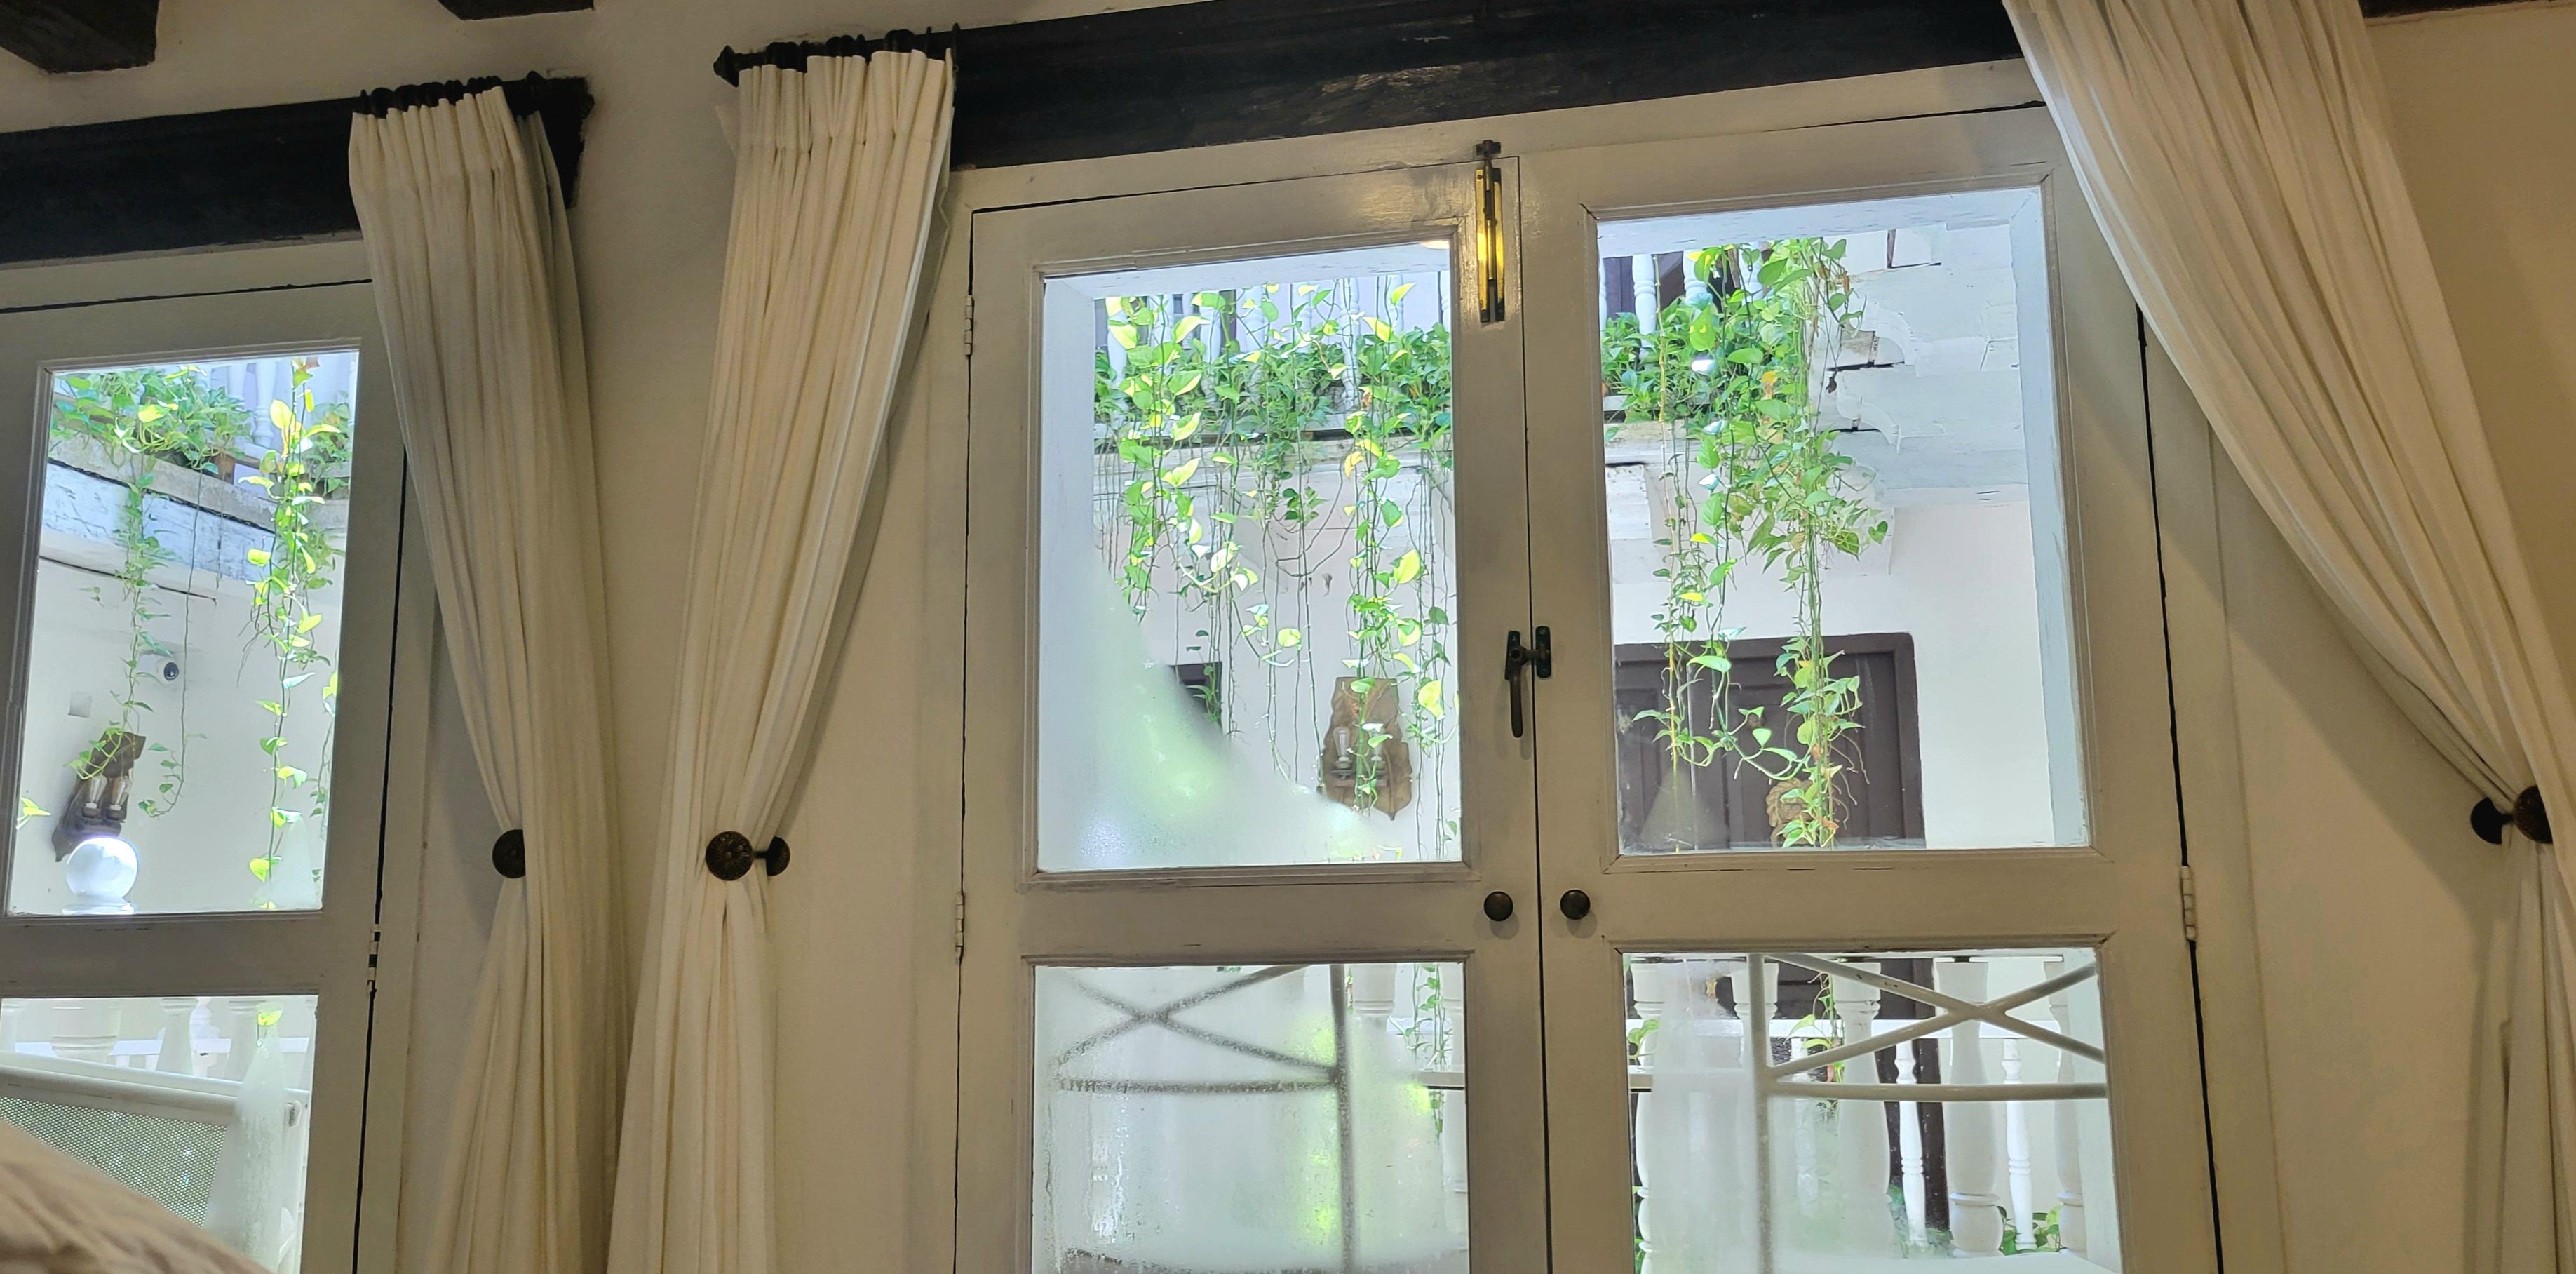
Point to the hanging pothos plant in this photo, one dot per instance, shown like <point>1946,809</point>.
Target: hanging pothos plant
<point>1732,376</point>
<point>142,419</point>
<point>1242,424</point>
<point>137,420</point>
<point>307,468</point>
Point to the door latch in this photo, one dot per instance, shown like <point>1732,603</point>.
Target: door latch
<point>1537,658</point>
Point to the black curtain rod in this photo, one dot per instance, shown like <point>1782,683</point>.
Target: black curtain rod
<point>792,54</point>
<point>530,94</point>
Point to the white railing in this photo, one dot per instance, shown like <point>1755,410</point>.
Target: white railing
<point>2002,1074</point>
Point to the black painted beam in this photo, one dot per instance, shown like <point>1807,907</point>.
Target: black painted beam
<point>80,35</point>
<point>1237,70</point>
<point>265,174</point>
<point>511,8</point>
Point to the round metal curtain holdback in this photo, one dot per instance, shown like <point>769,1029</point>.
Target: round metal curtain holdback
<point>510,854</point>
<point>730,855</point>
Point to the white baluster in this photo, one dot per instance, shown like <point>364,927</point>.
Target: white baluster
<point>1861,1127</point>
<point>1909,1150</point>
<point>1643,287</point>
<point>1968,1127</point>
<point>2070,1143</point>
<point>2017,1149</point>
<point>178,1049</point>
<point>238,1021</point>
<point>9,1011</point>
<point>1453,1123</point>
<point>1658,1114</point>
<point>85,1030</point>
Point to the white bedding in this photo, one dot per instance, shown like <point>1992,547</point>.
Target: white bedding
<point>61,1216</point>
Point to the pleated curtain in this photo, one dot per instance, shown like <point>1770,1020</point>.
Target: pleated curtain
<point>463,215</point>
<point>2237,154</point>
<point>837,171</point>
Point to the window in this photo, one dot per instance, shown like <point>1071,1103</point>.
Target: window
<point>1707,649</point>
<point>201,697</point>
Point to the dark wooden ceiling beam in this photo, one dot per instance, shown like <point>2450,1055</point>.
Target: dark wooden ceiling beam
<point>80,35</point>
<point>262,174</point>
<point>475,9</point>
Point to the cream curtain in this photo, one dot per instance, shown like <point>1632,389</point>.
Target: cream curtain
<point>464,222</point>
<point>837,170</point>
<point>2237,154</point>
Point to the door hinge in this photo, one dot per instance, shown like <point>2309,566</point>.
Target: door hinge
<point>2190,907</point>
<point>375,952</point>
<point>970,323</point>
<point>961,924</point>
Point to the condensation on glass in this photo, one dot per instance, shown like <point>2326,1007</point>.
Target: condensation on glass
<point>1798,1111</point>
<point>1838,556</point>
<point>1247,587</point>
<point>1256,1119</point>
<point>202,1103</point>
<point>182,668</point>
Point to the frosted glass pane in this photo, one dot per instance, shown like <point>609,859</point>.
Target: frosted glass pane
<point>1249,589</point>
<point>1251,1119</point>
<point>1810,1167</point>
<point>1837,548</point>
<point>203,1104</point>
<point>183,671</point>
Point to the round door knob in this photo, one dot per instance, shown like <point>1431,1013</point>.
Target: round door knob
<point>1576,904</point>
<point>1498,906</point>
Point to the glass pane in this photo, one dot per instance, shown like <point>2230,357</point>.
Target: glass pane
<point>1837,545</point>
<point>1248,588</point>
<point>1818,1161</point>
<point>1251,1119</point>
<point>203,1104</point>
<point>182,668</point>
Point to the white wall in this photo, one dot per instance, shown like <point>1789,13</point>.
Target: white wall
<point>2373,900</point>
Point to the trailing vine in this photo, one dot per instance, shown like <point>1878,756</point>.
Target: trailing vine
<point>1732,374</point>
<point>143,419</point>
<point>307,468</point>
<point>139,418</point>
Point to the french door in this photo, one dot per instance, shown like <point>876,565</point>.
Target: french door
<point>1599,711</point>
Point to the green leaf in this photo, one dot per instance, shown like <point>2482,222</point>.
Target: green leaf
<point>257,557</point>
<point>1290,637</point>
<point>1408,566</point>
<point>1180,473</point>
<point>259,867</point>
<point>1429,699</point>
<point>1124,334</point>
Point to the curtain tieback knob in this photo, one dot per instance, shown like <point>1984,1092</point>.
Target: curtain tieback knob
<point>730,855</point>
<point>510,854</point>
<point>2527,816</point>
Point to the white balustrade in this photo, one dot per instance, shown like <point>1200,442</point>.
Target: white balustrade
<point>1909,1149</point>
<point>2070,1146</point>
<point>1968,1127</point>
<point>177,1051</point>
<point>2017,1150</point>
<point>1642,285</point>
<point>1861,1128</point>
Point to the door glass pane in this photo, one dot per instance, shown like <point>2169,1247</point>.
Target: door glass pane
<point>204,1104</point>
<point>1252,1119</point>
<point>182,675</point>
<point>1248,589</point>
<point>1815,1160</point>
<point>1837,544</point>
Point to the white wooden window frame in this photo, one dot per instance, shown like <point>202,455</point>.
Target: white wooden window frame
<point>354,953</point>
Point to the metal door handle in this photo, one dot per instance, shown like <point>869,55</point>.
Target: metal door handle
<point>1538,657</point>
<point>1576,904</point>
<point>1498,906</point>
